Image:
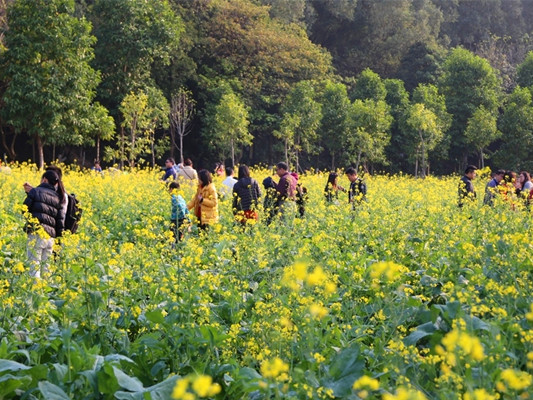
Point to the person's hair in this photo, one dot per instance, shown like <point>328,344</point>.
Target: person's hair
<point>470,168</point>
<point>526,176</point>
<point>56,169</point>
<point>282,165</point>
<point>96,162</point>
<point>229,171</point>
<point>244,171</point>
<point>187,162</point>
<point>500,172</point>
<point>53,179</point>
<point>173,185</point>
<point>330,184</point>
<point>509,176</point>
<point>268,183</point>
<point>171,160</point>
<point>351,171</point>
<point>205,177</point>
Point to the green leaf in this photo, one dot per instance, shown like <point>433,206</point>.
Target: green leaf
<point>8,383</point>
<point>421,331</point>
<point>13,366</point>
<point>155,316</point>
<point>52,392</point>
<point>127,382</point>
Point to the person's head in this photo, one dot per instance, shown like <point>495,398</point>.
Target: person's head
<point>268,183</point>
<point>498,175</point>
<point>332,180</point>
<point>281,168</point>
<point>509,177</point>
<point>56,169</point>
<point>169,162</point>
<point>173,186</point>
<point>244,171</point>
<point>187,162</point>
<point>470,172</point>
<point>524,177</point>
<point>50,177</point>
<point>204,177</point>
<point>351,173</point>
<point>97,164</point>
<point>229,171</point>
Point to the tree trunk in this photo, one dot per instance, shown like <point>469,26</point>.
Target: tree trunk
<point>423,162</point>
<point>9,148</point>
<point>181,149</point>
<point>98,148</point>
<point>332,161</point>
<point>232,153</point>
<point>40,151</point>
<point>358,160</point>
<point>122,143</point>
<point>286,152</point>
<point>482,159</point>
<point>416,166</point>
<point>172,140</point>
<point>54,152</point>
<point>152,141</point>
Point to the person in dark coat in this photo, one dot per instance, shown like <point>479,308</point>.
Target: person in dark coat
<point>246,195</point>
<point>357,190</point>
<point>270,202</point>
<point>45,204</point>
<point>466,188</point>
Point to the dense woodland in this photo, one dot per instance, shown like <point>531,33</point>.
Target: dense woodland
<point>389,85</point>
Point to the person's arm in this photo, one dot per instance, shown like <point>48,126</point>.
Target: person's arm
<point>211,199</point>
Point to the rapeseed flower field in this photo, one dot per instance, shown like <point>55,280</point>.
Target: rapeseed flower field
<point>405,297</point>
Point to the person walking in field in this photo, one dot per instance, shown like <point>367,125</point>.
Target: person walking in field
<point>466,188</point>
<point>179,211</point>
<point>205,201</point>
<point>187,173</point>
<point>45,204</point>
<point>300,195</point>
<point>285,188</point>
<point>270,201</point>
<point>357,190</point>
<point>331,191</point>
<point>491,190</point>
<point>170,170</point>
<point>246,195</point>
<point>227,184</point>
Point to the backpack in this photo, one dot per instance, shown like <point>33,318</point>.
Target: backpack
<point>73,215</point>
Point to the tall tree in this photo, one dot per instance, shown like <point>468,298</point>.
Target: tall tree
<point>369,85</point>
<point>301,114</point>
<point>231,125</point>
<point>182,109</point>
<point>481,131</point>
<point>369,123</point>
<point>516,125</point>
<point>468,82</point>
<point>399,146</point>
<point>132,36</point>
<point>50,84</point>
<point>427,134</point>
<point>334,122</point>
<point>524,72</point>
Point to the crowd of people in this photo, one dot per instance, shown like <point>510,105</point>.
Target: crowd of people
<point>508,185</point>
<point>48,203</point>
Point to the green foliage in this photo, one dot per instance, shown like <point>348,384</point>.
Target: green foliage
<point>468,82</point>
<point>132,35</point>
<point>231,125</point>
<point>334,123</point>
<point>481,131</point>
<point>369,86</point>
<point>368,126</point>
<point>524,72</point>
<point>300,122</point>
<point>141,113</point>
<point>50,82</point>
<point>516,125</point>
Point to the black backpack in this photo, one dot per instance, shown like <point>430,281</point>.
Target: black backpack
<point>73,215</point>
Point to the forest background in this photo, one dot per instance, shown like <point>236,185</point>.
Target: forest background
<point>393,85</point>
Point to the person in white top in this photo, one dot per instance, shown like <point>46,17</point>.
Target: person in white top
<point>226,190</point>
<point>187,172</point>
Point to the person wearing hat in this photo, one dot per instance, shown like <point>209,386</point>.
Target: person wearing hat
<point>45,204</point>
<point>466,188</point>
